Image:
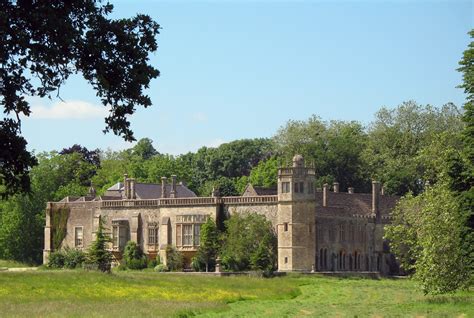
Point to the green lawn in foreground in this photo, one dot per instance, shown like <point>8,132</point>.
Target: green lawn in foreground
<point>11,264</point>
<point>138,294</point>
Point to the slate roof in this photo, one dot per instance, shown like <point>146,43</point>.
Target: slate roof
<point>252,190</point>
<point>356,203</point>
<point>145,191</point>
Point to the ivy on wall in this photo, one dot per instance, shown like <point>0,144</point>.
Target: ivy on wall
<point>59,217</point>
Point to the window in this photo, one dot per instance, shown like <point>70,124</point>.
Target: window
<point>285,226</point>
<point>310,187</point>
<point>285,187</point>
<point>188,229</point>
<point>119,234</point>
<point>342,234</point>
<point>286,260</point>
<point>302,187</point>
<point>197,234</point>
<point>78,236</point>
<point>297,188</point>
<point>187,234</point>
<point>153,233</point>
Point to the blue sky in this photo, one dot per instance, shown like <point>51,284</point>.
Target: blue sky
<point>241,69</point>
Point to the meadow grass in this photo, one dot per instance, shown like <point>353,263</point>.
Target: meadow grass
<point>12,264</point>
<point>140,294</point>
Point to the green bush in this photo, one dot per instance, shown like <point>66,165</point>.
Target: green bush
<point>73,258</point>
<point>135,264</point>
<point>174,258</point>
<point>161,268</point>
<point>56,259</point>
<point>133,256</point>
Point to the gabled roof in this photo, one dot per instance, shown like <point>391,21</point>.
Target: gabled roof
<point>251,190</point>
<point>146,191</point>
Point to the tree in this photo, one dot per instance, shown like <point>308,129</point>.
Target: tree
<point>98,255</point>
<point>43,42</point>
<point>463,175</point>
<point>249,243</point>
<point>91,156</point>
<point>144,149</point>
<point>209,245</point>
<point>426,235</point>
<point>265,174</point>
<point>335,148</point>
<point>396,137</point>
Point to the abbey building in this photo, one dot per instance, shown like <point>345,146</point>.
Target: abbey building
<point>317,229</point>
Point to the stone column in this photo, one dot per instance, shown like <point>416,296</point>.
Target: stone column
<point>47,234</point>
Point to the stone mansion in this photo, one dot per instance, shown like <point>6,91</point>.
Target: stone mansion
<point>319,230</point>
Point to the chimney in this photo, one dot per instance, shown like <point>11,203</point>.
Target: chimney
<point>350,190</point>
<point>126,186</point>
<point>173,187</point>
<point>163,187</point>
<point>132,189</point>
<point>336,187</point>
<point>325,194</point>
<point>375,196</point>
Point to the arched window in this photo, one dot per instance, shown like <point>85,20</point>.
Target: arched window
<point>325,263</point>
<point>321,258</point>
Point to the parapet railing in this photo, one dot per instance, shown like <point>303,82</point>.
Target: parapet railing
<point>247,200</point>
<point>266,199</point>
<point>299,171</point>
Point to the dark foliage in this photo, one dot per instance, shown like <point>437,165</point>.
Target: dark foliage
<point>43,42</point>
<point>90,156</point>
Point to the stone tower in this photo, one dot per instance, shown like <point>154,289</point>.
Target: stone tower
<point>296,217</point>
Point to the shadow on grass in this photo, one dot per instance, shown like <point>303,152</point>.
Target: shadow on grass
<point>449,299</point>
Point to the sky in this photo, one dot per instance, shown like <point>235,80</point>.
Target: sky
<point>241,69</point>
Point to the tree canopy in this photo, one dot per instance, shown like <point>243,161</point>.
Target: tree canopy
<point>43,42</point>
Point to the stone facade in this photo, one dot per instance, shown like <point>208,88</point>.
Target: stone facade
<point>317,230</point>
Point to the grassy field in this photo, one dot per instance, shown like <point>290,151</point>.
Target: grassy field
<point>10,264</point>
<point>138,294</point>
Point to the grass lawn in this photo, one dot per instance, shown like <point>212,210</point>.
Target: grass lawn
<point>137,294</point>
<point>10,264</point>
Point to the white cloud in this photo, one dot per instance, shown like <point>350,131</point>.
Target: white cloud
<point>73,109</point>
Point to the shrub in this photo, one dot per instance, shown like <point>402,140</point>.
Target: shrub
<point>56,259</point>
<point>174,258</point>
<point>133,256</point>
<point>161,268</point>
<point>73,258</point>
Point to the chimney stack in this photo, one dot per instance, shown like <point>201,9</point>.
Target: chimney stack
<point>336,187</point>
<point>163,187</point>
<point>132,189</point>
<point>173,187</point>
<point>375,196</point>
<point>126,186</point>
<point>325,195</point>
<point>350,190</point>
